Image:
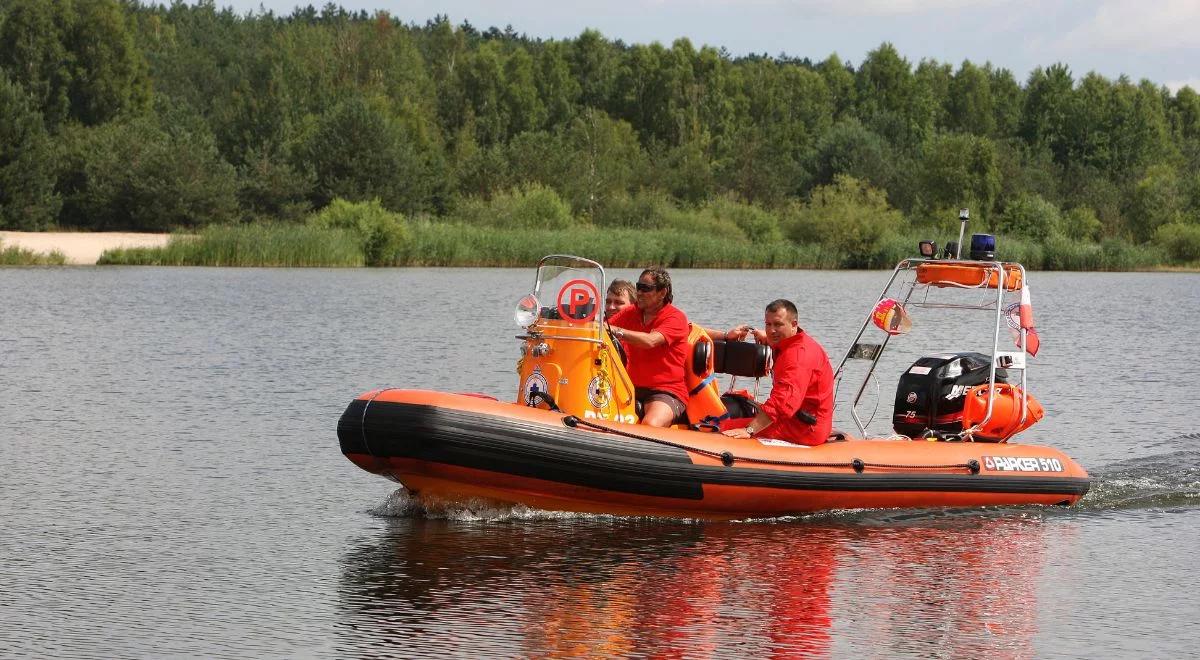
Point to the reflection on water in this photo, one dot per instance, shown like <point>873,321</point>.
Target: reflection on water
<point>634,587</point>
<point>174,486</point>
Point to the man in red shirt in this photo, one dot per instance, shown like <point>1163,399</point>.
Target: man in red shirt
<point>800,408</point>
<point>655,334</point>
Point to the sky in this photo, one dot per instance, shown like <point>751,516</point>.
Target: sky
<point>1157,40</point>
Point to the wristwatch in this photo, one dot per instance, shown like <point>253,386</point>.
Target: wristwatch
<point>750,430</point>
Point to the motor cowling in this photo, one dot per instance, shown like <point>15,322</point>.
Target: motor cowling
<point>932,392</point>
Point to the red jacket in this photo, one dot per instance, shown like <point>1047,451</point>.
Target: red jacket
<point>802,380</point>
<point>659,368</point>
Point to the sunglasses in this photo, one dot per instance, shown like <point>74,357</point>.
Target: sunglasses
<point>643,287</point>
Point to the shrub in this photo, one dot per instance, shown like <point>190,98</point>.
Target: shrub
<point>848,216</point>
<point>530,206</point>
<point>649,209</point>
<point>1157,199</point>
<point>381,232</point>
<point>758,225</point>
<point>1181,242</point>
<point>1062,253</point>
<point>654,209</point>
<point>1120,255</point>
<point>1030,216</point>
<point>1081,222</point>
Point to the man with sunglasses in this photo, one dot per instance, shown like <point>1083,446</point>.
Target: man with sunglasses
<point>655,333</point>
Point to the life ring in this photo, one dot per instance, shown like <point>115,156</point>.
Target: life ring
<point>937,273</point>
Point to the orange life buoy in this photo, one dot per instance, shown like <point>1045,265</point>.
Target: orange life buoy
<point>1005,421</point>
<point>938,273</point>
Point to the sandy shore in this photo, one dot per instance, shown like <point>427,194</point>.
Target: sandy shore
<point>80,247</point>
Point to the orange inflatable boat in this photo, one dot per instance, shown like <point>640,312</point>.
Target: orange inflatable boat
<point>570,440</point>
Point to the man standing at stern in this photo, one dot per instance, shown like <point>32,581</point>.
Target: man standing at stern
<point>800,408</point>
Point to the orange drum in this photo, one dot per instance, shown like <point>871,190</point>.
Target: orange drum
<point>1006,412</point>
<point>967,275</point>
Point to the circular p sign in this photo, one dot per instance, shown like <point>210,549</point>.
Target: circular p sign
<point>577,300</point>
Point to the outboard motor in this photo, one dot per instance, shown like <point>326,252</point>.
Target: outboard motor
<point>931,394</point>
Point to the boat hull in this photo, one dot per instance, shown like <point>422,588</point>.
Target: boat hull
<point>458,447</point>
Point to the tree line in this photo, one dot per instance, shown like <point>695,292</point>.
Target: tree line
<point>124,115</point>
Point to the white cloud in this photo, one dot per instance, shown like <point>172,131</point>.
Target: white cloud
<point>1176,85</point>
<point>843,7</point>
<point>895,7</point>
<point>1138,26</point>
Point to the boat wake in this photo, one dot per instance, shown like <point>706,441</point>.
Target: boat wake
<point>1162,481</point>
<point>402,503</point>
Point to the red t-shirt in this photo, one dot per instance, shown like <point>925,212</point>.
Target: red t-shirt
<point>659,368</point>
<point>802,380</point>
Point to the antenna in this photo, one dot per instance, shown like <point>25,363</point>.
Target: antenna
<point>963,216</point>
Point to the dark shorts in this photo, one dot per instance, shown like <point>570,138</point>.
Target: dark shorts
<point>646,395</point>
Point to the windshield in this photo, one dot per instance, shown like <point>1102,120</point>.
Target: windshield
<point>571,289</point>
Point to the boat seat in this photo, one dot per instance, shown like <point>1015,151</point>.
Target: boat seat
<point>739,405</point>
<point>741,358</point>
<point>700,354</point>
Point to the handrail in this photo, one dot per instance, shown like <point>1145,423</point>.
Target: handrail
<point>563,337</point>
<point>1002,287</point>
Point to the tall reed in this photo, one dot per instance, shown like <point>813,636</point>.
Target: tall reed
<point>430,243</point>
<point>249,245</point>
<point>436,244</point>
<point>1054,253</point>
<point>14,255</point>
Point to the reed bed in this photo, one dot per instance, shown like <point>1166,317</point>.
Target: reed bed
<point>429,243</point>
<point>18,256</point>
<point>1055,253</point>
<point>258,245</point>
<point>435,244</point>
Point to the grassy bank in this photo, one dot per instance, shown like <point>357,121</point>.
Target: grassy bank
<point>433,244</point>
<point>17,256</point>
<point>1056,253</point>
<point>437,244</point>
<point>518,229</point>
<point>248,245</point>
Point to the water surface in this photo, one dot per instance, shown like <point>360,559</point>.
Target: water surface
<point>173,486</point>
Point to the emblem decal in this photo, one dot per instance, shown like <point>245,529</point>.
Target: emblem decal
<point>534,382</point>
<point>599,392</point>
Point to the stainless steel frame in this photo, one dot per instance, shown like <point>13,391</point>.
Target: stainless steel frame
<point>908,288</point>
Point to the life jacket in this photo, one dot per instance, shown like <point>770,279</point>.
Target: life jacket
<point>704,406</point>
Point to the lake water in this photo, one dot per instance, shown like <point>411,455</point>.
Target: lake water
<point>172,485</point>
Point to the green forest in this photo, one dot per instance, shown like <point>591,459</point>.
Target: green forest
<point>343,138</point>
